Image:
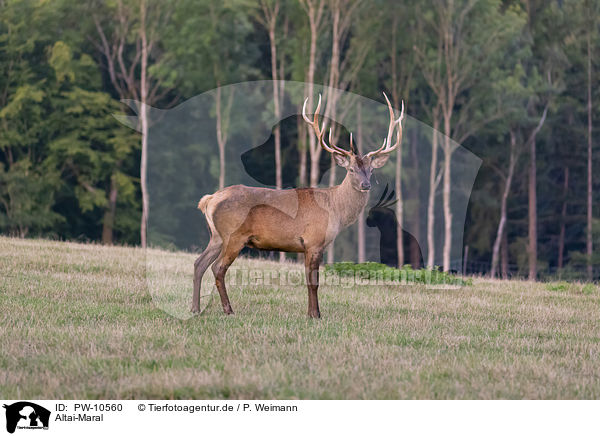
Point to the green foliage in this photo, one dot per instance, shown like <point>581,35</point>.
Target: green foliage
<point>60,60</point>
<point>26,198</point>
<point>62,153</point>
<point>406,274</point>
<point>208,44</point>
<point>589,289</point>
<point>558,286</point>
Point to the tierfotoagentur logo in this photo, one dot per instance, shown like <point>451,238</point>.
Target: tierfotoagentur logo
<point>341,277</point>
<point>190,159</point>
<point>26,415</point>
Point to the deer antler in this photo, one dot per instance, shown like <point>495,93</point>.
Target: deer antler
<point>320,132</point>
<point>387,147</point>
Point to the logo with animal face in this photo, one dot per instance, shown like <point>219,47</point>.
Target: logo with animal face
<point>233,136</point>
<point>26,415</point>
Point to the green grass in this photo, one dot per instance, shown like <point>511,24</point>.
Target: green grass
<point>78,321</point>
<point>377,271</point>
<point>558,286</point>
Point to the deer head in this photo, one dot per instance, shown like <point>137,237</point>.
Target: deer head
<point>359,167</point>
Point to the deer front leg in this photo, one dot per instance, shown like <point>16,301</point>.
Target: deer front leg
<point>312,260</point>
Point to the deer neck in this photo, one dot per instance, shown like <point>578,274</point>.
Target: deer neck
<point>347,202</point>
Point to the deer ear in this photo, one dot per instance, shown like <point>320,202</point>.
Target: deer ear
<point>343,161</point>
<point>379,160</point>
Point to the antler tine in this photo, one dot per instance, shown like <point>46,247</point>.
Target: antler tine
<point>352,147</point>
<point>316,114</point>
<point>391,126</point>
<point>389,149</point>
<point>388,138</point>
<point>319,132</point>
<point>339,150</point>
<point>399,133</point>
<point>386,147</point>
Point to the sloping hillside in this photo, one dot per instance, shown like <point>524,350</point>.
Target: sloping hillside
<point>79,321</point>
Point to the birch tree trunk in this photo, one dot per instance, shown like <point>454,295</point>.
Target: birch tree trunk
<point>270,13</point>
<point>505,193</point>
<point>361,216</point>
<point>399,208</point>
<point>589,235</point>
<point>433,182</point>
<point>301,152</point>
<point>532,213</point>
<point>127,49</point>
<point>563,221</point>
<point>144,124</point>
<point>448,148</point>
<point>330,111</point>
<point>447,208</point>
<point>222,125</point>
<point>276,98</point>
<point>398,175</point>
<point>504,253</point>
<point>415,249</point>
<point>314,11</point>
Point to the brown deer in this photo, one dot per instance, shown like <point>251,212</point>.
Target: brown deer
<point>303,220</point>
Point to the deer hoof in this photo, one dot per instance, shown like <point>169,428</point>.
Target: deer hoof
<point>228,310</point>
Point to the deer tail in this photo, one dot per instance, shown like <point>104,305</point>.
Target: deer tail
<point>203,203</point>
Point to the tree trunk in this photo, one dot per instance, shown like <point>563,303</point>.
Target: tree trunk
<point>108,222</point>
<point>398,175</point>
<point>331,247</point>
<point>220,139</point>
<point>361,216</point>
<point>144,124</point>
<point>399,208</point>
<point>431,198</point>
<point>503,202</point>
<point>276,103</point>
<point>589,235</point>
<point>504,254</point>
<point>330,111</point>
<point>271,20</point>
<point>301,152</point>
<point>415,249</point>
<point>563,221</point>
<point>532,215</point>
<point>446,195</point>
<point>314,17</point>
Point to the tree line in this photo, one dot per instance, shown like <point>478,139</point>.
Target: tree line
<point>512,81</point>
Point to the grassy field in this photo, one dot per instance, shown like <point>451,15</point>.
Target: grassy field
<point>78,321</point>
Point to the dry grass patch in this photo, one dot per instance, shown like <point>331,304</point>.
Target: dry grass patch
<point>79,321</point>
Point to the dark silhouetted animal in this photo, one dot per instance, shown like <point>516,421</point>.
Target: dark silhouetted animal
<point>383,216</point>
<point>32,413</point>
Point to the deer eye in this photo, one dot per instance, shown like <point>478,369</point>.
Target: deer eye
<point>351,170</point>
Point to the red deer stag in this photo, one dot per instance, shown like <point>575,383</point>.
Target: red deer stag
<point>303,220</point>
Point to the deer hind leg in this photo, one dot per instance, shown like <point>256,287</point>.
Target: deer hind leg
<point>203,261</point>
<point>312,261</point>
<point>219,268</point>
